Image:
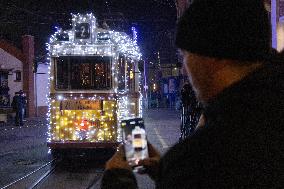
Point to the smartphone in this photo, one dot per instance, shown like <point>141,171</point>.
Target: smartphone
<point>135,141</point>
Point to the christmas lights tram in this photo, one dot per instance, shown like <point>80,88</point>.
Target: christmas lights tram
<point>94,83</point>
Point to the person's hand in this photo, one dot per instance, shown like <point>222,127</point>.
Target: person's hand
<point>118,160</point>
<point>151,164</point>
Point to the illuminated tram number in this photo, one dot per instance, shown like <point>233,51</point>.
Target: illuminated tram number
<point>82,31</point>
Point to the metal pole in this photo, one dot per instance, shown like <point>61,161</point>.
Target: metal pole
<point>274,19</point>
<point>35,93</point>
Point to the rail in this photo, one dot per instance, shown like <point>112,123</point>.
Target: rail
<point>31,173</point>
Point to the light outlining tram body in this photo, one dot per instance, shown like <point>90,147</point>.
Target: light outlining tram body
<point>94,83</point>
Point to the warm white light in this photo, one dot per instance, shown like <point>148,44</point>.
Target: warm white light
<point>60,97</point>
<point>99,123</point>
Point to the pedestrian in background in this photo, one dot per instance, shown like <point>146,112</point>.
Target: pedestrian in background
<point>191,111</point>
<point>18,105</point>
<point>172,99</point>
<point>25,101</point>
<point>188,98</point>
<point>226,50</point>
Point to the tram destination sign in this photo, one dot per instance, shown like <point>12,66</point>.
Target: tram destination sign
<point>81,105</point>
<point>82,31</point>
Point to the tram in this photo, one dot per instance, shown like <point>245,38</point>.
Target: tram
<point>94,84</point>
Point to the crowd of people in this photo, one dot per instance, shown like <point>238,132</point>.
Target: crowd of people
<point>226,50</point>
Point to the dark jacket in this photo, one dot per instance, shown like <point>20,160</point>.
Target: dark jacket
<point>18,102</point>
<point>187,95</point>
<point>241,145</point>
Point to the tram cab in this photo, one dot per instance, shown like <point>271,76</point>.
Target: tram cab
<point>94,83</point>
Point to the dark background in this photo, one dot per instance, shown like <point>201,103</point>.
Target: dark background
<point>154,19</point>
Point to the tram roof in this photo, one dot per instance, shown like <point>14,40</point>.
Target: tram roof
<point>85,38</point>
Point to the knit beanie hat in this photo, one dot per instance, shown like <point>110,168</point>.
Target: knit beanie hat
<point>232,29</point>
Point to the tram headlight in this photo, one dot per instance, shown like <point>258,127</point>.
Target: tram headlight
<point>59,97</point>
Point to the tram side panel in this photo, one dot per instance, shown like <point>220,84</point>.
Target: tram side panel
<point>80,122</point>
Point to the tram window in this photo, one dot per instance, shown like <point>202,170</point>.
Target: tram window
<point>62,73</point>
<point>121,73</point>
<point>131,81</point>
<point>126,74</point>
<point>85,73</point>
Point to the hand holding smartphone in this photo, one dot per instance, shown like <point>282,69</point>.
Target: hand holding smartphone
<point>135,141</point>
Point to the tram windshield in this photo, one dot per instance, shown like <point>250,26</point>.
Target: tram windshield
<point>83,73</point>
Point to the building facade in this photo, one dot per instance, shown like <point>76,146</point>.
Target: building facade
<point>16,73</point>
<point>11,72</point>
<point>42,90</point>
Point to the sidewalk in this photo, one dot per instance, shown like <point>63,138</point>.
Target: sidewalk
<point>28,122</point>
<point>14,138</point>
<point>162,127</point>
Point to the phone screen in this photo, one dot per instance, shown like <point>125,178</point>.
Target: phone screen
<point>135,140</point>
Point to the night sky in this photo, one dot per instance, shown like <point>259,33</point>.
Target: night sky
<point>154,19</point>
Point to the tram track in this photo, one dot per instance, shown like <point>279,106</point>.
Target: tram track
<point>52,175</point>
<point>42,178</point>
<point>71,176</point>
<point>24,181</point>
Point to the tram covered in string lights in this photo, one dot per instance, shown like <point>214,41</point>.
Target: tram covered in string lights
<point>94,83</point>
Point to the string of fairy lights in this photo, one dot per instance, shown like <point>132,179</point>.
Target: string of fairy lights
<point>84,115</point>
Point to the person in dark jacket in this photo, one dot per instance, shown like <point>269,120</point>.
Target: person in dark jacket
<point>18,105</point>
<point>187,94</point>
<point>226,50</point>
<point>24,100</point>
<point>191,110</point>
